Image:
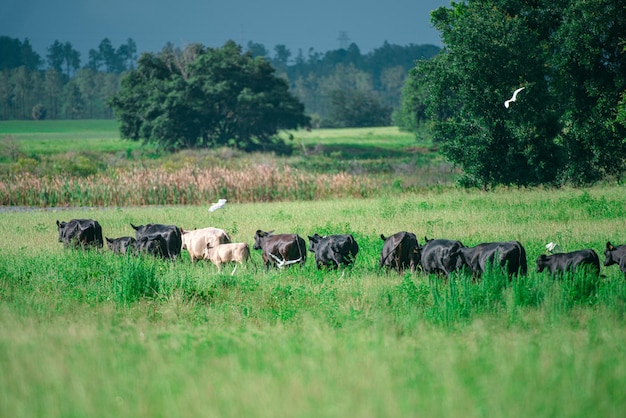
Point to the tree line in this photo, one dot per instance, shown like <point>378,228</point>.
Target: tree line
<point>57,87</point>
<point>338,88</point>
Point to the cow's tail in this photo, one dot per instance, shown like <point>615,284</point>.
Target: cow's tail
<point>394,251</point>
<point>98,235</point>
<point>523,264</point>
<point>246,254</point>
<point>302,257</point>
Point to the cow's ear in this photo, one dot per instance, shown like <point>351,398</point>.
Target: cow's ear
<point>108,239</point>
<point>609,246</point>
<point>383,237</point>
<point>134,227</point>
<point>58,223</point>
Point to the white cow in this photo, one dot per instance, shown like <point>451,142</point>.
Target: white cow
<point>236,252</point>
<point>196,241</point>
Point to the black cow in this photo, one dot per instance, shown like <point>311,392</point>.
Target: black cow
<point>281,249</point>
<point>511,256</point>
<point>122,245</point>
<point>615,255</point>
<point>441,256</point>
<point>155,245</point>
<point>171,233</point>
<point>569,262</point>
<point>80,232</point>
<point>333,250</point>
<point>400,251</point>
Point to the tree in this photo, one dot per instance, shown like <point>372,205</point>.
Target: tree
<point>561,128</point>
<point>206,97</point>
<point>127,55</point>
<point>16,53</point>
<point>257,50</point>
<point>355,108</point>
<point>63,58</point>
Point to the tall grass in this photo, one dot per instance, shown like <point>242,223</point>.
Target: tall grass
<point>94,334</point>
<point>262,183</point>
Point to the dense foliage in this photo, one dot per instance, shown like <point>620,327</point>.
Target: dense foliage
<point>564,127</point>
<point>204,98</point>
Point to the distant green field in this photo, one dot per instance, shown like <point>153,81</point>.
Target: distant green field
<point>51,137</point>
<point>61,136</point>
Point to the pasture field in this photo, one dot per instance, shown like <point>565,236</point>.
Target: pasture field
<point>59,136</point>
<point>94,334</point>
<point>84,163</point>
<point>49,137</point>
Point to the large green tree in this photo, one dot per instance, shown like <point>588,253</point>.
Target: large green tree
<point>206,97</point>
<point>563,127</point>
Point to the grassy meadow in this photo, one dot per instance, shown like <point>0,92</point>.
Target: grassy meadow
<point>90,333</point>
<point>84,163</point>
<point>95,334</point>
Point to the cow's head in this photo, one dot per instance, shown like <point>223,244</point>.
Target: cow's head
<point>61,227</point>
<point>314,242</point>
<point>259,237</point>
<point>541,262</point>
<point>609,256</point>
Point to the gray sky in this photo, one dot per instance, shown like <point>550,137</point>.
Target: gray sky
<point>151,24</point>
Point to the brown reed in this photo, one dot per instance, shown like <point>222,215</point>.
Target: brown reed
<point>185,186</point>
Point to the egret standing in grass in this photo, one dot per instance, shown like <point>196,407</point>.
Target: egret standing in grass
<point>512,99</point>
<point>219,205</point>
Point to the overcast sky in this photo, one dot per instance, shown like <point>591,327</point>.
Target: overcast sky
<point>297,24</point>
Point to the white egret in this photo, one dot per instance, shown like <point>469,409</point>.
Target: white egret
<point>219,205</point>
<point>512,99</point>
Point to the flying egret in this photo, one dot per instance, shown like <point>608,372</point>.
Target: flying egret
<point>512,99</point>
<point>219,205</point>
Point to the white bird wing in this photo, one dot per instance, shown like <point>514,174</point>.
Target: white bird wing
<point>512,99</point>
<point>219,205</point>
<point>515,93</point>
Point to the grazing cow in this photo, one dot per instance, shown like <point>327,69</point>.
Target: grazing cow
<point>281,249</point>
<point>80,232</point>
<point>511,256</point>
<point>197,241</point>
<point>441,256</point>
<point>615,255</point>
<point>569,262</point>
<point>171,233</point>
<point>235,252</point>
<point>122,245</point>
<point>155,245</point>
<point>400,251</point>
<point>333,250</point>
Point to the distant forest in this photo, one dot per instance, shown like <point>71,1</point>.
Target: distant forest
<point>339,88</point>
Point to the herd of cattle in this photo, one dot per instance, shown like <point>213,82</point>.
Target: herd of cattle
<point>400,251</point>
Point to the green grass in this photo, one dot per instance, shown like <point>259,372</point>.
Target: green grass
<point>78,163</point>
<point>94,334</point>
<point>59,136</point>
<point>39,138</point>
